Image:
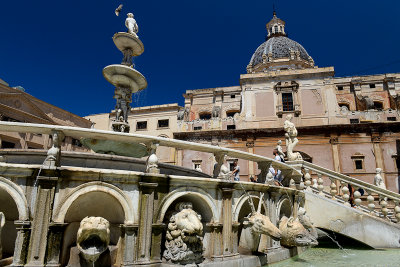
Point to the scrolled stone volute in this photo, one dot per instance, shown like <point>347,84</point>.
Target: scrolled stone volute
<point>294,234</point>
<point>184,241</point>
<point>93,237</point>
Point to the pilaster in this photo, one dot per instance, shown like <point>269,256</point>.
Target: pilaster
<point>21,243</point>
<point>128,233</point>
<point>227,239</point>
<point>56,231</point>
<point>145,222</point>
<point>41,221</point>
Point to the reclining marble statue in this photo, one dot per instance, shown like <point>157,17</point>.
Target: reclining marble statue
<point>184,241</point>
<point>291,139</point>
<point>92,244</point>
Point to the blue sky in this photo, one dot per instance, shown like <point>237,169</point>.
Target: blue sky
<point>56,50</point>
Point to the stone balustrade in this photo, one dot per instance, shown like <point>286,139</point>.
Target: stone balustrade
<point>378,202</point>
<point>78,133</point>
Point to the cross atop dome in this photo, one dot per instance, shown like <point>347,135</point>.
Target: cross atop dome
<point>276,26</point>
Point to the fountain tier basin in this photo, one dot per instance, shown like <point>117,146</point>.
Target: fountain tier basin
<point>134,150</point>
<point>126,77</point>
<point>126,41</point>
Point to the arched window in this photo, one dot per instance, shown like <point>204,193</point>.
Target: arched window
<point>205,116</point>
<point>276,29</point>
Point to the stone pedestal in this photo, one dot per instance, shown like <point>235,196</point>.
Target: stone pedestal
<point>21,243</point>
<point>145,222</point>
<point>40,224</point>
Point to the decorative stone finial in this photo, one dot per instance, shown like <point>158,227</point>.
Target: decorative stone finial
<point>131,24</point>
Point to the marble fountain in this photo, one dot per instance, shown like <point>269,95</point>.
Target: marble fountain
<point>121,207</point>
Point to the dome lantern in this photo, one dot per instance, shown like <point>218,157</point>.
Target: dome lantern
<point>279,52</point>
<point>275,27</point>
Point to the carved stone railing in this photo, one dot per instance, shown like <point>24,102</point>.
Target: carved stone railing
<point>379,202</point>
<point>78,133</point>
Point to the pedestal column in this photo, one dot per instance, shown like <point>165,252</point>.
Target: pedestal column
<point>145,222</point>
<point>21,243</point>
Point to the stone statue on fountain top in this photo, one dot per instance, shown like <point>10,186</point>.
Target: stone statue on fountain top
<point>131,24</point>
<point>291,139</point>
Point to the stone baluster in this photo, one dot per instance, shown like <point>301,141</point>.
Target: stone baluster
<point>384,208</point>
<point>307,179</point>
<point>371,205</point>
<point>315,183</point>
<point>397,211</point>
<point>320,185</point>
<point>345,191</point>
<point>357,196</point>
<point>333,188</point>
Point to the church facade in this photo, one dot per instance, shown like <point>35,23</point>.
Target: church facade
<point>350,124</point>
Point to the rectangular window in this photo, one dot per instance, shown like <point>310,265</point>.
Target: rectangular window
<point>231,127</point>
<point>340,88</point>
<point>359,164</point>
<point>141,125</point>
<point>371,85</point>
<point>287,102</point>
<point>391,118</point>
<point>205,116</point>
<point>163,123</point>
<point>233,96</point>
<point>197,128</point>
<point>353,121</point>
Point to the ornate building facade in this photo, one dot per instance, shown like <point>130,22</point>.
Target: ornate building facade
<point>19,106</point>
<point>348,124</point>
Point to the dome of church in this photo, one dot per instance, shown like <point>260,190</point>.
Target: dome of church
<point>278,51</point>
<point>278,47</point>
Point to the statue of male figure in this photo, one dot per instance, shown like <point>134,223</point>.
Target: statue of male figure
<point>131,24</point>
<point>291,138</point>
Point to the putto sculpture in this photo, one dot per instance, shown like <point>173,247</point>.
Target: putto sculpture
<point>54,153</point>
<point>184,241</point>
<point>131,24</point>
<point>294,234</point>
<point>291,139</point>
